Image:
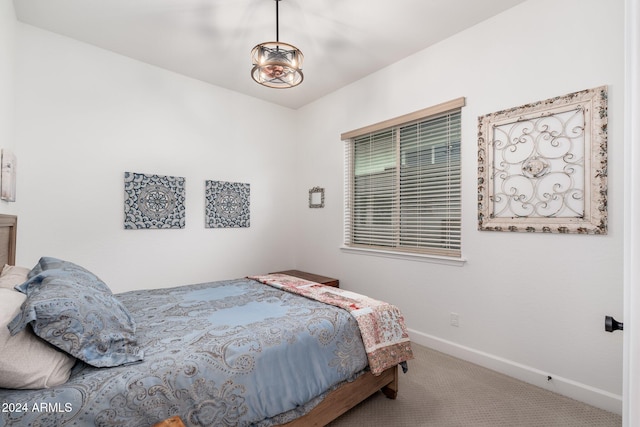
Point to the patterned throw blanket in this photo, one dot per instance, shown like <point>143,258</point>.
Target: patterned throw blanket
<point>382,327</point>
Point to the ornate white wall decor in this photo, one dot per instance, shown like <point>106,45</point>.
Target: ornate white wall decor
<point>542,167</point>
<point>227,204</point>
<point>153,201</point>
<point>8,176</point>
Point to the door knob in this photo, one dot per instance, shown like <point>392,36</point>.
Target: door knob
<point>611,324</point>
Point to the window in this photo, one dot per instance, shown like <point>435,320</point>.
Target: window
<point>403,183</point>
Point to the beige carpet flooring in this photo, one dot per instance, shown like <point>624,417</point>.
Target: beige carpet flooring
<point>440,390</point>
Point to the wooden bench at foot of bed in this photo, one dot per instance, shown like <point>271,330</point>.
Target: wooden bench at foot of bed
<point>349,395</point>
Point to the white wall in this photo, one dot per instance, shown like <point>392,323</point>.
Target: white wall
<point>7,60</point>
<point>86,115</point>
<point>530,305</point>
<point>7,49</point>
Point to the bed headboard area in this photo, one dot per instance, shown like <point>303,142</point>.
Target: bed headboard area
<point>8,228</point>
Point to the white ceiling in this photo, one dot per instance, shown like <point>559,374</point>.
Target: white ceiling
<point>210,40</point>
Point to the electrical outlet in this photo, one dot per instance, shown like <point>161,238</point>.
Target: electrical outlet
<point>455,319</point>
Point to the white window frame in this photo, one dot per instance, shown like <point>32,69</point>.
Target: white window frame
<point>452,256</point>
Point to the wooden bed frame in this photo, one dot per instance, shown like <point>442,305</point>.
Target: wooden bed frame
<point>335,404</point>
<point>349,395</point>
<point>8,227</point>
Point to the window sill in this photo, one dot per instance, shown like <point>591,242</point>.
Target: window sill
<point>456,262</point>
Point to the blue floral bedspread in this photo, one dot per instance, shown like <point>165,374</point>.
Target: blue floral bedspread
<point>229,353</point>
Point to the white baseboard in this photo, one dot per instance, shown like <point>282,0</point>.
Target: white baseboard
<point>564,386</point>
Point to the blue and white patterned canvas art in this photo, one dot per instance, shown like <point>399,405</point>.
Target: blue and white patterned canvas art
<point>227,204</point>
<point>153,201</point>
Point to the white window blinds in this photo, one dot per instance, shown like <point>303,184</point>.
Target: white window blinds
<point>403,184</point>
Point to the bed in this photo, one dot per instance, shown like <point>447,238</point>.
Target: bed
<point>250,351</point>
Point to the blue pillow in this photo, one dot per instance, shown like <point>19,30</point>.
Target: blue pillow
<point>54,266</point>
<point>74,310</point>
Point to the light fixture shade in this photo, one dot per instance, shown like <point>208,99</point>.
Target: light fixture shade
<point>277,65</point>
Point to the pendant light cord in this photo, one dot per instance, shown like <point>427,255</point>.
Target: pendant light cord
<point>277,22</point>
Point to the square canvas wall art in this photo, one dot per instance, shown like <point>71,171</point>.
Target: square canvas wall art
<point>226,204</point>
<point>153,201</point>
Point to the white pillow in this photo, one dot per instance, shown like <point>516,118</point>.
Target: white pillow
<point>13,275</point>
<point>26,361</point>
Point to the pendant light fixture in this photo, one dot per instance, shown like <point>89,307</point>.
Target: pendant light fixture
<point>277,64</point>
